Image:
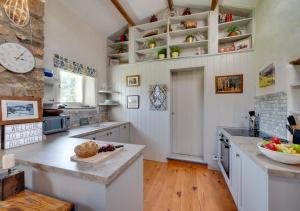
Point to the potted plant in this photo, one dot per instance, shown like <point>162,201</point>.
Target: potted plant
<point>175,51</point>
<point>162,53</point>
<point>233,30</point>
<point>190,38</point>
<point>152,43</point>
<point>121,48</point>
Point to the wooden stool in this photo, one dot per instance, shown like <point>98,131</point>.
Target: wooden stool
<point>28,201</point>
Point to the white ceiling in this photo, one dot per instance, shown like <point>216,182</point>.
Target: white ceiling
<point>104,17</point>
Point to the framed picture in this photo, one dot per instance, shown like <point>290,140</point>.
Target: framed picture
<point>242,44</point>
<point>229,84</point>
<point>267,76</point>
<point>133,80</point>
<point>19,110</point>
<point>133,101</point>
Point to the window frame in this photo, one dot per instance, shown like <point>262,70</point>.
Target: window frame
<point>72,104</point>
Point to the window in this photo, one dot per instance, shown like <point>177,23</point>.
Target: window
<point>71,87</point>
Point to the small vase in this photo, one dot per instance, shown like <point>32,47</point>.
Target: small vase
<point>175,54</point>
<point>190,39</point>
<point>161,56</point>
<point>152,45</point>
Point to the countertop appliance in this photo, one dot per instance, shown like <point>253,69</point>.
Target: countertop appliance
<point>55,124</point>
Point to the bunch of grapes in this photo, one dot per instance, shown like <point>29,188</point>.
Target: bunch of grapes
<point>107,148</point>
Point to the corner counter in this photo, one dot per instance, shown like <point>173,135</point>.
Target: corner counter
<point>102,187</point>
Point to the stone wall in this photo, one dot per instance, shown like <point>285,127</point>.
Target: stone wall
<point>32,83</point>
<point>92,114</point>
<point>272,109</point>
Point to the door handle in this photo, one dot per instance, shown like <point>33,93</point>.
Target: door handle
<point>172,113</point>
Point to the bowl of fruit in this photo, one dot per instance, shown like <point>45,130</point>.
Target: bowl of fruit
<point>280,151</point>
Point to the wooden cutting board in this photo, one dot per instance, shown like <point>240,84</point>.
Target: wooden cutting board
<point>100,157</point>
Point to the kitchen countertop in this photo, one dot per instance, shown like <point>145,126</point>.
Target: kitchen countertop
<point>273,168</point>
<point>53,155</point>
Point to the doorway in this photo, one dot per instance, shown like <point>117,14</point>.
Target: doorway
<point>187,102</point>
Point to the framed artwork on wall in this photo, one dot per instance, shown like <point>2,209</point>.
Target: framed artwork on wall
<point>133,101</point>
<point>133,80</point>
<point>158,97</point>
<point>267,76</point>
<point>19,110</point>
<point>229,84</point>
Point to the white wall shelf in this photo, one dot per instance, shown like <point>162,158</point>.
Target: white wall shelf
<point>190,45</point>
<point>209,36</point>
<point>109,104</point>
<point>233,38</point>
<point>150,50</point>
<point>162,36</point>
<point>115,44</point>
<point>241,22</point>
<point>295,84</point>
<point>108,92</point>
<point>185,32</point>
<point>295,112</point>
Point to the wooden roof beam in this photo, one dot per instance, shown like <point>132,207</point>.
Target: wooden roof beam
<point>214,4</point>
<point>171,4</point>
<point>122,11</point>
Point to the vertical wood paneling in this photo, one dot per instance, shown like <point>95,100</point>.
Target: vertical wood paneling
<point>152,128</point>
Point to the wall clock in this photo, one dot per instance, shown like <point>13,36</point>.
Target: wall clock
<point>16,58</point>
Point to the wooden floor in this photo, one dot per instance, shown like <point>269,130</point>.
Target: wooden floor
<point>180,186</point>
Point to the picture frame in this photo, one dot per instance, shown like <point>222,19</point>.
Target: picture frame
<point>242,44</point>
<point>267,76</point>
<point>229,84</point>
<point>20,110</point>
<point>133,102</point>
<point>133,80</point>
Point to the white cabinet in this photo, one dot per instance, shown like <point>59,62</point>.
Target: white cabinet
<point>125,133</point>
<point>254,186</point>
<point>109,135</point>
<point>116,134</point>
<point>248,182</point>
<point>236,175</point>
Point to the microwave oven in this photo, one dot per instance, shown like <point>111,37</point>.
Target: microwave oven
<point>55,124</point>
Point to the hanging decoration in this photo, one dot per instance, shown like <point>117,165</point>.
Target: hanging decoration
<point>158,97</point>
<point>72,66</point>
<point>17,11</point>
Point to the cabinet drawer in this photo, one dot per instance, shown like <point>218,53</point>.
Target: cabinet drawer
<point>109,135</point>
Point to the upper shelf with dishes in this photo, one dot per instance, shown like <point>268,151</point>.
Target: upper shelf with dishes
<point>184,34</point>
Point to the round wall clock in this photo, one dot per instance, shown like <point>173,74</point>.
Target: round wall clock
<point>16,58</point>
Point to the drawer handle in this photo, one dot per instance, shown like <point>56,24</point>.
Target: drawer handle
<point>237,155</point>
<point>125,127</point>
<point>110,133</point>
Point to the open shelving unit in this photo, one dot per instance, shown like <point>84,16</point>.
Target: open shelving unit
<point>107,93</point>
<point>169,33</point>
<point>114,52</point>
<point>209,36</point>
<point>243,20</point>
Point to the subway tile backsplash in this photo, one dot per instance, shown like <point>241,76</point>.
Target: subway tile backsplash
<point>272,109</point>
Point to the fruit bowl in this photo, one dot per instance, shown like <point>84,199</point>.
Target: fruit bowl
<point>279,156</point>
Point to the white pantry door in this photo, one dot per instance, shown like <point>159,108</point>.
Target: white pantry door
<point>187,112</point>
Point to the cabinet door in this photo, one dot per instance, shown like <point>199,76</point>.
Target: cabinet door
<point>254,186</point>
<point>125,133</point>
<point>91,137</point>
<point>236,175</point>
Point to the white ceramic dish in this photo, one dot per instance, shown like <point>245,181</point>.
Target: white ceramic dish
<point>279,156</point>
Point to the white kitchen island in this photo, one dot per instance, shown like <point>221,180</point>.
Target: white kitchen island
<point>113,185</point>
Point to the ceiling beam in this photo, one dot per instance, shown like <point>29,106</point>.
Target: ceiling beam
<point>123,12</point>
<point>214,4</point>
<point>171,4</point>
